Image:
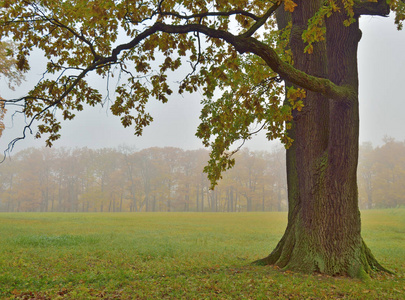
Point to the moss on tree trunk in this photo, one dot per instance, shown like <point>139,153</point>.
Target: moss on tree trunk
<point>324,229</point>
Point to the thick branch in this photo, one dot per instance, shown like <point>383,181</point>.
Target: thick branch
<point>365,7</point>
<point>244,45</point>
<point>298,77</point>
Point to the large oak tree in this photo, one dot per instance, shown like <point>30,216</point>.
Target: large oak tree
<point>244,49</point>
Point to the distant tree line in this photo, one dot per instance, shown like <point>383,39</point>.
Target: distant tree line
<point>172,179</point>
<point>381,175</point>
<point>126,180</point>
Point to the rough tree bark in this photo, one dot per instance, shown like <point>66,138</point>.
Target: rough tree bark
<point>324,229</point>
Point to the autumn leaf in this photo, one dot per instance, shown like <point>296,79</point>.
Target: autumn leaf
<point>2,113</point>
<point>289,5</point>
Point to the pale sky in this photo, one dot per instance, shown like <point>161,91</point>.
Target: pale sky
<point>382,77</point>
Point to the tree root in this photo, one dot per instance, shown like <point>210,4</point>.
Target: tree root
<point>282,256</point>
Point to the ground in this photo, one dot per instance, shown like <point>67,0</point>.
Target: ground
<point>177,255</point>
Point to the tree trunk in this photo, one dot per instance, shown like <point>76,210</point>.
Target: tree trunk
<point>202,192</point>
<point>154,203</point>
<point>121,199</point>
<point>248,202</point>
<point>323,231</point>
<point>263,198</point>
<point>369,200</point>
<point>231,200</point>
<point>197,198</point>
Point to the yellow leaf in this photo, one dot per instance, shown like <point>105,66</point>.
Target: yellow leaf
<point>289,5</point>
<point>309,49</point>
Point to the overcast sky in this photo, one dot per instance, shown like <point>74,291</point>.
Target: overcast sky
<point>382,78</point>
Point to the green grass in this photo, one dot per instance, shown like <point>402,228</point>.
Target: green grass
<point>177,255</point>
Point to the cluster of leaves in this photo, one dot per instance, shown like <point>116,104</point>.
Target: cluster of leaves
<point>8,64</point>
<point>69,37</point>
<point>2,113</point>
<point>252,100</point>
<point>316,25</point>
<point>399,7</point>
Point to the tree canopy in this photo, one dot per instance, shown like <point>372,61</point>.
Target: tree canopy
<point>232,46</point>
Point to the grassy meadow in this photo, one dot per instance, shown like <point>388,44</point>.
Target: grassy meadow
<point>177,255</point>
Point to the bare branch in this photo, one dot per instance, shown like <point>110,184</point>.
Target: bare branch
<point>52,104</point>
<point>194,66</point>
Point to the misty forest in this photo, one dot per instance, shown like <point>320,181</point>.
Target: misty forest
<point>172,179</point>
<point>278,224</point>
